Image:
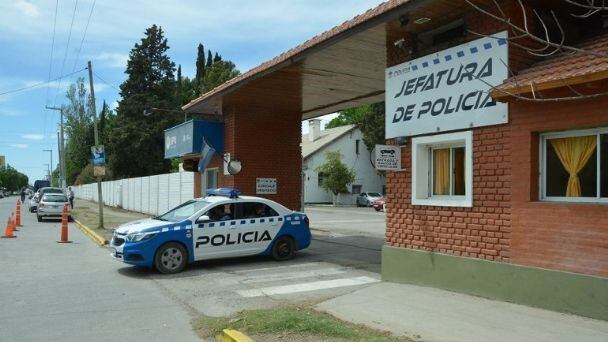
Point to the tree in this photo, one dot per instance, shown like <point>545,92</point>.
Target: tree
<point>78,128</point>
<point>11,179</point>
<point>200,63</point>
<point>209,58</point>
<point>336,176</point>
<point>219,73</point>
<point>136,144</point>
<point>368,118</point>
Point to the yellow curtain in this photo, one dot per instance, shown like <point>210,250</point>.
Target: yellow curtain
<point>574,153</point>
<point>441,165</point>
<point>459,188</point>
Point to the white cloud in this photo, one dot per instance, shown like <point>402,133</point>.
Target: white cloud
<point>32,136</point>
<point>114,105</point>
<point>27,8</point>
<point>22,146</point>
<point>115,60</point>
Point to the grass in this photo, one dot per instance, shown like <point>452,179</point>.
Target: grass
<point>296,321</point>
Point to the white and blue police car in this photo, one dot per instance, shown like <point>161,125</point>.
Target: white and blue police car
<point>221,225</point>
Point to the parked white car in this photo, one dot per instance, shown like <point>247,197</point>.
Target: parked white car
<point>51,205</point>
<point>365,199</point>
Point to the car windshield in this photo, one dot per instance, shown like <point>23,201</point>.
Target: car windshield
<point>183,211</point>
<point>55,198</point>
<point>374,194</point>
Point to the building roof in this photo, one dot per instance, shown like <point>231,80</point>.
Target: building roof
<point>565,69</point>
<point>327,136</point>
<point>295,54</point>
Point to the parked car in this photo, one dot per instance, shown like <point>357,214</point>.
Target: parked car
<point>223,224</point>
<point>379,204</point>
<point>41,183</point>
<point>365,199</point>
<point>34,203</point>
<point>51,190</point>
<point>51,205</point>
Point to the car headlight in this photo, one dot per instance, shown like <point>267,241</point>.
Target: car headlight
<point>137,237</point>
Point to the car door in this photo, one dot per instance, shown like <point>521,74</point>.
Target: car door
<point>256,230</point>
<point>213,238</point>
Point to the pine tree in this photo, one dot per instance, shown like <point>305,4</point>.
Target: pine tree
<point>179,91</point>
<point>200,63</point>
<point>217,58</point>
<point>209,59</point>
<point>136,145</point>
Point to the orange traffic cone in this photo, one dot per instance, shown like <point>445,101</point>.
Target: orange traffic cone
<point>18,218</point>
<point>14,225</point>
<point>8,231</point>
<point>64,225</point>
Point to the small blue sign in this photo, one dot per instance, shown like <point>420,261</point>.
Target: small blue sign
<point>98,155</point>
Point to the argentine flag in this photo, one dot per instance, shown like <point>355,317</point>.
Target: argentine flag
<point>206,154</point>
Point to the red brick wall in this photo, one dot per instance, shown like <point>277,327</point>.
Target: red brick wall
<point>507,222</point>
<point>483,231</point>
<point>566,236</point>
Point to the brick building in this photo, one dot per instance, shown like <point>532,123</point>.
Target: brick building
<point>500,197</point>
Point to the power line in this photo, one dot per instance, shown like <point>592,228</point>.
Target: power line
<point>41,83</point>
<point>107,83</point>
<point>48,88</point>
<point>84,35</point>
<point>67,48</point>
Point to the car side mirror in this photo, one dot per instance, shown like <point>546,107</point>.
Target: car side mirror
<point>203,219</point>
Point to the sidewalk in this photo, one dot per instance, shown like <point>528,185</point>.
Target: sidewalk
<point>87,213</point>
<point>431,314</point>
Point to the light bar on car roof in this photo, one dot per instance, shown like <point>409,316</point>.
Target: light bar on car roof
<point>227,192</point>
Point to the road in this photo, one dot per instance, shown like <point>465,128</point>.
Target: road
<point>76,292</point>
<point>348,220</point>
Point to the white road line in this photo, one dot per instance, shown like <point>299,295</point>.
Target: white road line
<point>305,287</point>
<point>253,270</point>
<point>295,275</point>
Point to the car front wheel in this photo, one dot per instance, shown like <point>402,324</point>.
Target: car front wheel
<point>171,258</point>
<point>283,249</point>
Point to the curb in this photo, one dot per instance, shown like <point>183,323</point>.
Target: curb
<point>98,239</point>
<point>229,335</point>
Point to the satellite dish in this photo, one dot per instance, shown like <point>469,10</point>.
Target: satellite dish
<point>234,167</point>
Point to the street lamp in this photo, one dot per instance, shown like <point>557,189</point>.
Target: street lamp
<point>50,174</point>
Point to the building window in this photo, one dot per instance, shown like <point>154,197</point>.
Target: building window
<point>442,170</point>
<point>357,146</point>
<point>356,189</point>
<point>574,166</point>
<point>320,179</point>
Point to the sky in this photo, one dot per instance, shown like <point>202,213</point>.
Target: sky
<point>246,32</point>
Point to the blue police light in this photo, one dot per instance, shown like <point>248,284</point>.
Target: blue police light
<point>227,192</point>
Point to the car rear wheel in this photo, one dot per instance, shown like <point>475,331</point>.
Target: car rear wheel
<point>171,258</point>
<point>284,248</point>
<point>39,218</point>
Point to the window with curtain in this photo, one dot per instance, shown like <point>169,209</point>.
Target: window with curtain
<point>442,167</point>
<point>448,171</point>
<point>575,166</point>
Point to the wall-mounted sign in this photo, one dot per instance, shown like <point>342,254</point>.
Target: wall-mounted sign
<point>447,90</point>
<point>388,157</point>
<point>265,186</point>
<point>99,171</point>
<point>98,155</point>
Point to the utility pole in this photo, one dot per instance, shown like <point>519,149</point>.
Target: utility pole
<point>99,194</point>
<point>60,159</point>
<point>51,153</point>
<point>61,146</point>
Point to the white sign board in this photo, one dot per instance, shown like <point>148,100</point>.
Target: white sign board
<point>265,186</point>
<point>447,90</point>
<point>388,157</point>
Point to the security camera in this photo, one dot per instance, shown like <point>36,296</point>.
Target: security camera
<point>400,44</point>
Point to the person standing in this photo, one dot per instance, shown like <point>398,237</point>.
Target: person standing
<point>71,197</point>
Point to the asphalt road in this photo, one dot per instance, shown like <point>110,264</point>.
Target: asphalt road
<point>348,220</point>
<point>77,292</point>
<point>73,292</point>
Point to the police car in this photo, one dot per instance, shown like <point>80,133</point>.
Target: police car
<point>221,225</point>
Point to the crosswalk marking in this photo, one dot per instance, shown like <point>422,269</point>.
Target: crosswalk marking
<point>305,287</point>
<point>254,270</point>
<point>295,275</point>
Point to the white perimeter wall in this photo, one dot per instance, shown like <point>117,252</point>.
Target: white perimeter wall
<point>365,174</point>
<point>152,195</point>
